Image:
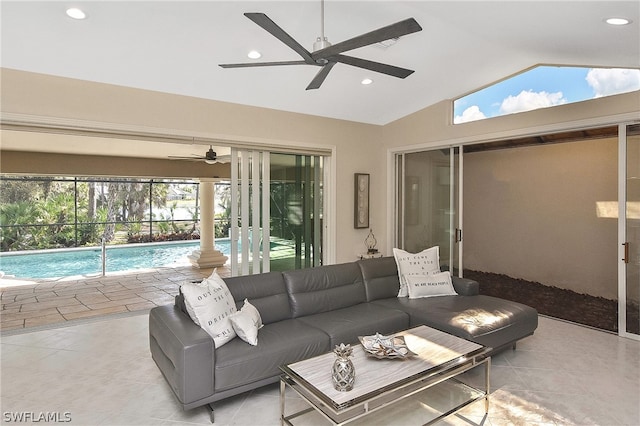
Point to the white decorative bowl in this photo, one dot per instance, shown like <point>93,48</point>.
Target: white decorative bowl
<point>385,347</point>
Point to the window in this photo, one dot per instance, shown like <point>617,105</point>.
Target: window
<point>542,87</point>
<point>55,212</point>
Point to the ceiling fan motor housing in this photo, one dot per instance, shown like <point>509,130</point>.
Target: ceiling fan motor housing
<point>321,43</point>
<point>211,155</point>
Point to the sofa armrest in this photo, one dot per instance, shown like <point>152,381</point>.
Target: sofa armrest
<point>184,353</point>
<point>465,286</point>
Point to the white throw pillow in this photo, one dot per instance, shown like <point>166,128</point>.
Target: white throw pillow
<point>211,304</point>
<point>430,285</point>
<point>424,263</point>
<point>246,323</point>
<point>195,291</point>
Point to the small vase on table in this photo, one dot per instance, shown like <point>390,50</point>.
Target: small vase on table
<point>343,371</point>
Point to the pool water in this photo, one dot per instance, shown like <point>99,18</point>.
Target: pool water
<point>88,261</point>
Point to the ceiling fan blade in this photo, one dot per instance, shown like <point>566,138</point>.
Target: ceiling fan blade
<point>320,76</point>
<point>272,28</point>
<point>194,158</point>
<point>396,30</point>
<point>373,66</point>
<point>262,64</point>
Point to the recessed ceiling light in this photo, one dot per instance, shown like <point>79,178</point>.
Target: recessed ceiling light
<point>254,54</point>
<point>76,13</point>
<point>617,21</point>
<point>366,81</point>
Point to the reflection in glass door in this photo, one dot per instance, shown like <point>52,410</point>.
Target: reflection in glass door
<point>296,211</point>
<point>428,199</point>
<point>629,300</point>
<point>276,211</point>
<point>249,212</point>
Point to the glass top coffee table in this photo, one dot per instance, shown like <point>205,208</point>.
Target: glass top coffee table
<point>439,357</point>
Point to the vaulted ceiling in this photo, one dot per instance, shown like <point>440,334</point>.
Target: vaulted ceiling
<point>177,46</point>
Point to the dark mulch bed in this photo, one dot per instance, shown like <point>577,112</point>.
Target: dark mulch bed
<point>556,302</point>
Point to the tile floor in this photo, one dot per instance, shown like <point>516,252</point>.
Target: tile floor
<point>36,303</point>
<point>100,372</point>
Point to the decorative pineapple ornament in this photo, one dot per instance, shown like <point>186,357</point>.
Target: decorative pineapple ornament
<point>343,372</point>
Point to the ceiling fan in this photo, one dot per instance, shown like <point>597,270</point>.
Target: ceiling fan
<point>326,55</point>
<point>210,157</point>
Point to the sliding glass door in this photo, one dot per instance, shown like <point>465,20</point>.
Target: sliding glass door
<point>276,211</point>
<point>429,213</point>
<point>629,294</point>
<point>296,211</point>
<point>429,203</point>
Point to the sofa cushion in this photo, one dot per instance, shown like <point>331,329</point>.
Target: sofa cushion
<point>346,324</point>
<point>482,319</point>
<point>324,288</point>
<point>266,292</point>
<point>281,343</point>
<point>380,277</point>
<point>430,285</point>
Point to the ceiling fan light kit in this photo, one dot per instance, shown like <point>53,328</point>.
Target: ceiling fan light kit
<point>325,55</point>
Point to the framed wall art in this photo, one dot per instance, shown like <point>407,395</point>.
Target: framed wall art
<point>361,204</point>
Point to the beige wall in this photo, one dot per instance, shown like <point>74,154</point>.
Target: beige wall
<point>531,213</point>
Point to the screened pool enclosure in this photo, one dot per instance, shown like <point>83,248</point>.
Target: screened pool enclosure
<point>57,212</point>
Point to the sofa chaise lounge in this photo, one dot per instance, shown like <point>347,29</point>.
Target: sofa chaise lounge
<point>308,312</point>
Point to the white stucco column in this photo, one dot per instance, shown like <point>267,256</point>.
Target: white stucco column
<point>207,256</point>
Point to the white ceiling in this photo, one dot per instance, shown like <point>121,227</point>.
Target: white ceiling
<point>176,46</point>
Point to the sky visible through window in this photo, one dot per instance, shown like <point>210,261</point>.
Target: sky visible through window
<point>542,87</point>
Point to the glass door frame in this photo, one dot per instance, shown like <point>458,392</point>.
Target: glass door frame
<point>622,233</point>
<point>456,174</point>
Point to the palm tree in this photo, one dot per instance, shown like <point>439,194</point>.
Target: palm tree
<point>13,234</point>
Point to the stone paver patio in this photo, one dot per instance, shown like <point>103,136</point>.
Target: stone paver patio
<point>36,303</point>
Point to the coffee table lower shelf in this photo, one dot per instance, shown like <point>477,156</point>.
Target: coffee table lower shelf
<point>465,395</point>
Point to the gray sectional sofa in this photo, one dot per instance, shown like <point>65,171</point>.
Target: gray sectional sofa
<point>306,313</point>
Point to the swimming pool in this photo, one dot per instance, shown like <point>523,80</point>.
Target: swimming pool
<point>88,261</point>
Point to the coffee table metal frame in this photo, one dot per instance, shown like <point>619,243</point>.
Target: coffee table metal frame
<point>389,394</point>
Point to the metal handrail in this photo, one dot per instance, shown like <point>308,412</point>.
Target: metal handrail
<point>103,255</point>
